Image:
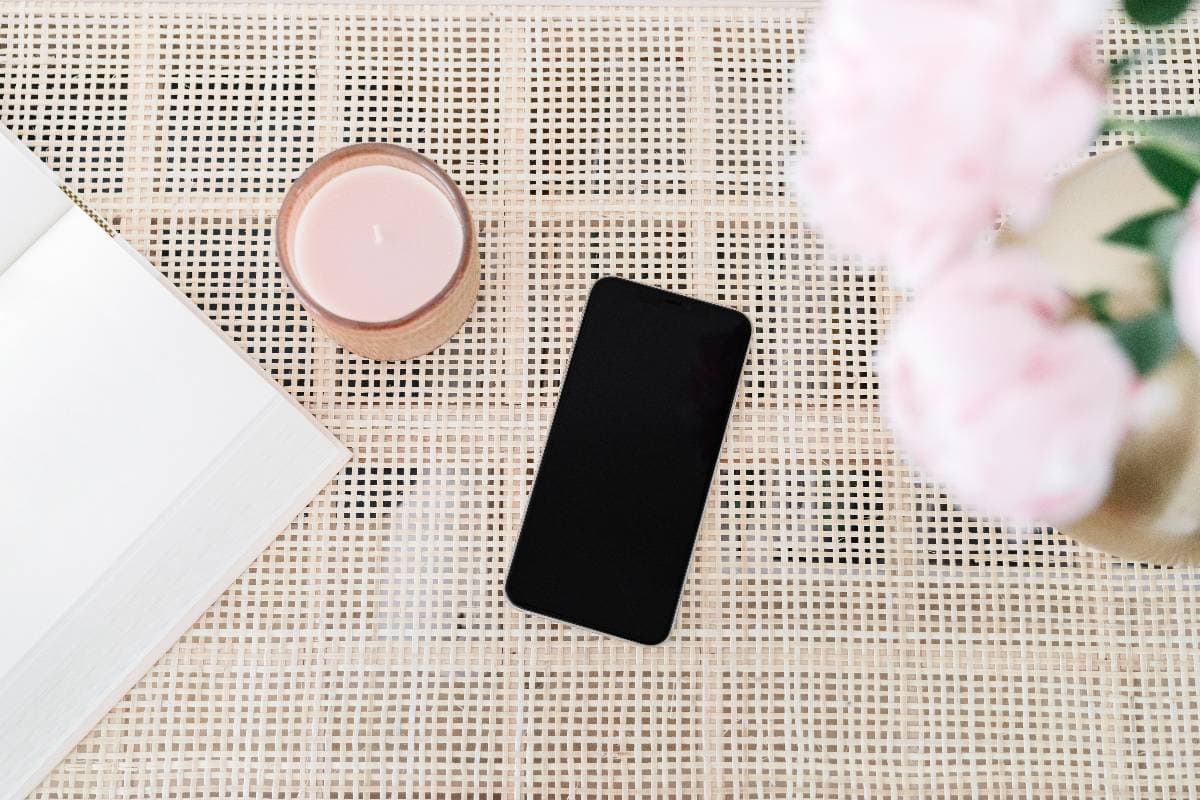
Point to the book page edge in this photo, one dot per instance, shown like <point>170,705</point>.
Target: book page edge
<point>145,264</point>
<point>68,742</point>
<point>338,459</point>
<point>184,300</point>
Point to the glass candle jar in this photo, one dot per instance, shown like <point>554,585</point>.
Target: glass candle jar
<point>378,243</point>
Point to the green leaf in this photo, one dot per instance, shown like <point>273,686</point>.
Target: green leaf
<point>1181,128</point>
<point>1148,340</point>
<point>1097,303</point>
<point>1164,235</point>
<point>1136,231</point>
<point>1154,12</point>
<point>1112,124</point>
<point>1118,67</point>
<point>1175,171</point>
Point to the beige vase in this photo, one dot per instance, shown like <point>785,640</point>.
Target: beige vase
<point>1152,512</point>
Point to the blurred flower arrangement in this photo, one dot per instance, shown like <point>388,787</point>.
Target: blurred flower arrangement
<point>924,122</point>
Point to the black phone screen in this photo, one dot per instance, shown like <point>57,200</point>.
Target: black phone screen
<point>617,502</point>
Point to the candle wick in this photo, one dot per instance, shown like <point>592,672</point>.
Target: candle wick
<point>378,234</point>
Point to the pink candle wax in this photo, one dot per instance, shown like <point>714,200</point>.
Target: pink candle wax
<point>376,243</point>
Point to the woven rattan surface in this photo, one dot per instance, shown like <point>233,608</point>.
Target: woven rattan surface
<point>846,631</point>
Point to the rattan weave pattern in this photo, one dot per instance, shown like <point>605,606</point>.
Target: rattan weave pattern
<point>847,631</point>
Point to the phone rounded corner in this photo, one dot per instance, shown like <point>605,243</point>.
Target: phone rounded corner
<point>606,280</point>
<point>509,598</point>
<point>656,640</point>
<point>745,325</point>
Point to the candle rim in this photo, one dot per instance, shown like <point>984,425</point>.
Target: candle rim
<point>324,170</point>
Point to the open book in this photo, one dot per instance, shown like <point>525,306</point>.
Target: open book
<point>144,463</point>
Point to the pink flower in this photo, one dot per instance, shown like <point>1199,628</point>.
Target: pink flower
<point>991,391</point>
<point>924,119</point>
<point>1185,277</point>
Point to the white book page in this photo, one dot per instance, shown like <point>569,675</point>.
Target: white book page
<point>114,397</point>
<point>30,200</point>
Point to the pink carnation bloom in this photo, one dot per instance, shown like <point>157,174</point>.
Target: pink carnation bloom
<point>1185,277</point>
<point>991,391</point>
<point>924,119</point>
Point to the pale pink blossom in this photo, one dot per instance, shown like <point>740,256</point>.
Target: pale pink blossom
<point>991,390</point>
<point>924,119</point>
<point>1185,277</point>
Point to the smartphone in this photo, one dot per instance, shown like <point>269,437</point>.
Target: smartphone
<point>617,502</point>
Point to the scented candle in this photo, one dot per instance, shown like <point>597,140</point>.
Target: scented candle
<point>378,243</point>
